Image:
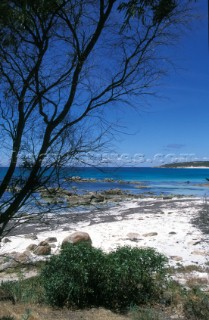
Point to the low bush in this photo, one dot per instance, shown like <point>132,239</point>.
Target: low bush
<point>196,305</point>
<point>133,276</point>
<point>84,276</point>
<point>74,277</point>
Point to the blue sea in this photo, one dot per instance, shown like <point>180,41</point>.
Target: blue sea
<point>139,180</point>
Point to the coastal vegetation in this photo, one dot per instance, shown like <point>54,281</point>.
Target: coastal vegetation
<point>92,278</point>
<point>134,283</point>
<point>187,164</point>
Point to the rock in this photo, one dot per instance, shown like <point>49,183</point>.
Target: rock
<point>176,258</point>
<point>75,178</point>
<point>6,240</point>
<point>133,236</point>
<point>108,180</point>
<point>172,232</point>
<point>76,200</point>
<point>7,262</point>
<point>113,192</point>
<point>200,253</point>
<point>23,258</point>
<point>98,198</point>
<point>150,234</point>
<point>43,250</point>
<point>32,247</point>
<point>77,237</point>
<point>43,244</point>
<point>31,236</point>
<point>197,242</point>
<point>51,239</point>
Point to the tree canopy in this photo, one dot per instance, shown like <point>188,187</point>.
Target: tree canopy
<point>61,63</point>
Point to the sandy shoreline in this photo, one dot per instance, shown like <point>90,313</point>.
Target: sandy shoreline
<point>165,225</point>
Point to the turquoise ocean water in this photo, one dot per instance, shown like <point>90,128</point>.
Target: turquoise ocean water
<point>154,180</point>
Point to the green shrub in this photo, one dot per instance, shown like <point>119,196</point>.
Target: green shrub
<point>84,276</point>
<point>74,277</point>
<point>133,276</point>
<point>7,318</point>
<point>196,305</point>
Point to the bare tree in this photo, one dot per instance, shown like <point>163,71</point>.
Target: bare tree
<point>61,63</point>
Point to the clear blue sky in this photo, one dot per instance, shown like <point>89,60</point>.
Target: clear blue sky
<point>177,123</point>
<point>175,126</point>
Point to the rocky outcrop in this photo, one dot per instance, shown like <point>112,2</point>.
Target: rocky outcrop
<point>43,249</point>
<point>23,258</point>
<point>133,236</point>
<point>6,240</point>
<point>31,236</point>
<point>77,237</point>
<point>51,240</point>
<point>60,195</point>
<point>150,234</point>
<point>113,192</point>
<point>15,259</point>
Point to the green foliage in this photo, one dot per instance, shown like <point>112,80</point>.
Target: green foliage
<point>196,305</point>
<point>74,277</point>
<point>133,276</point>
<point>84,276</point>
<point>7,318</point>
<point>159,10</point>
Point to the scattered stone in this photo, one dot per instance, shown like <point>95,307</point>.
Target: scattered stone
<point>97,197</point>
<point>108,180</point>
<point>22,258</point>
<point>77,237</point>
<point>200,253</point>
<point>150,234</point>
<point>176,258</point>
<point>113,192</point>
<point>133,236</point>
<point>32,247</point>
<point>7,262</point>
<point>43,243</point>
<point>51,239</point>
<point>6,240</point>
<point>75,178</point>
<point>31,236</point>
<point>43,250</point>
<point>197,242</point>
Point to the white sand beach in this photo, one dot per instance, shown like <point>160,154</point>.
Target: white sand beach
<point>163,224</point>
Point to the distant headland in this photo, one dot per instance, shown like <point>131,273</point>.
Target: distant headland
<point>190,164</point>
